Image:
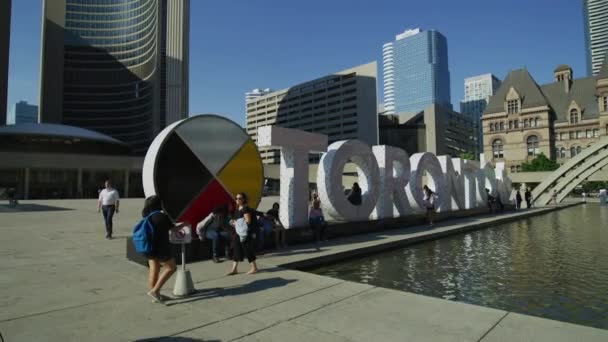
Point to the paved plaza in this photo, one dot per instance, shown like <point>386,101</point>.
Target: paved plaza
<point>62,281</point>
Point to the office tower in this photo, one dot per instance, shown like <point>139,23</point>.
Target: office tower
<point>119,67</point>
<point>595,14</point>
<point>255,93</point>
<point>342,105</point>
<point>5,37</point>
<point>23,112</point>
<point>477,92</point>
<point>415,69</point>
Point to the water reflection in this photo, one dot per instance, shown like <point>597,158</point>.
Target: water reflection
<point>553,266</point>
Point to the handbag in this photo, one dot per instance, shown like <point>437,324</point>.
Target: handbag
<point>241,228</point>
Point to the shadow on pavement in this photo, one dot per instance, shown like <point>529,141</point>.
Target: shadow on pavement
<point>5,208</point>
<point>254,286</point>
<point>174,339</point>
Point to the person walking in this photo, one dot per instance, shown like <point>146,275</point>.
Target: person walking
<point>108,203</point>
<point>553,197</point>
<point>244,246</point>
<point>160,255</point>
<point>518,200</point>
<point>528,196</point>
<point>491,201</point>
<point>429,202</point>
<point>212,228</point>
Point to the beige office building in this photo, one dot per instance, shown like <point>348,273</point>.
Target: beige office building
<point>559,119</point>
<point>115,67</point>
<point>436,129</point>
<point>341,105</point>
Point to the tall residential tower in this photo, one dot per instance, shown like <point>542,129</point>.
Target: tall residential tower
<point>118,67</point>
<point>595,14</point>
<point>5,37</point>
<point>416,73</point>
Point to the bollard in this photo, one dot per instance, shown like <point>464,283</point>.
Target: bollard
<point>183,280</point>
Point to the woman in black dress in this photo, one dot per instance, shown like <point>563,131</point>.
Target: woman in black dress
<point>161,248</point>
<point>242,248</point>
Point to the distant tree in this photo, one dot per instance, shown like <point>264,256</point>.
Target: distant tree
<point>540,163</point>
<point>467,156</point>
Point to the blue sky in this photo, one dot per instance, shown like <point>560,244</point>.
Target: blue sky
<point>240,45</point>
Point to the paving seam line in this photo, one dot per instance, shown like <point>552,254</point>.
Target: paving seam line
<point>254,310</point>
<point>62,309</point>
<point>493,326</point>
<point>306,313</point>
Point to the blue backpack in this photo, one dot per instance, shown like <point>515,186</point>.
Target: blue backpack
<point>143,234</point>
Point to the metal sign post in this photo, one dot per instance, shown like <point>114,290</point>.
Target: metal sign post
<point>183,280</point>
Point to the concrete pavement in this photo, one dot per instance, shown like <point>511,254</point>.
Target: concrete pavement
<point>62,281</point>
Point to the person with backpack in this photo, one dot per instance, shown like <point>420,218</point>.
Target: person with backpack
<point>430,198</point>
<point>246,228</point>
<point>151,238</point>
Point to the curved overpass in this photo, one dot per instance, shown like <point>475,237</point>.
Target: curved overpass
<point>572,173</point>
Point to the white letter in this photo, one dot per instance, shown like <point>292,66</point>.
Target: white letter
<point>329,180</point>
<point>421,163</point>
<point>394,164</point>
<point>295,146</point>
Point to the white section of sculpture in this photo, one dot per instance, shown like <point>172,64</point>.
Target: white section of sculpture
<point>150,159</point>
<point>394,165</point>
<point>454,199</point>
<point>329,180</point>
<point>295,147</point>
<point>420,164</point>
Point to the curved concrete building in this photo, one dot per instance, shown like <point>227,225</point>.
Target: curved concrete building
<point>118,67</point>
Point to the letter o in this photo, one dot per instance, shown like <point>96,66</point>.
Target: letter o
<point>329,180</point>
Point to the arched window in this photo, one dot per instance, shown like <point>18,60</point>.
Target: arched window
<point>497,149</point>
<point>510,124</point>
<point>572,152</point>
<point>578,150</point>
<point>532,143</point>
<point>491,127</point>
<point>573,116</point>
<point>502,126</point>
<point>562,153</point>
<point>536,122</point>
<point>526,123</point>
<point>516,124</point>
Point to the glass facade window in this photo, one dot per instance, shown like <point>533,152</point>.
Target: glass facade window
<point>512,106</point>
<point>416,73</point>
<point>532,143</point>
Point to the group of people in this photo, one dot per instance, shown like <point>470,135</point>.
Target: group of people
<point>519,200</point>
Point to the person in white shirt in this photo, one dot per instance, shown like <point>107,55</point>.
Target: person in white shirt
<point>108,204</point>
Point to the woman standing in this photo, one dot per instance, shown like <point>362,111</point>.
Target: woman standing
<point>429,202</point>
<point>244,246</point>
<point>160,255</point>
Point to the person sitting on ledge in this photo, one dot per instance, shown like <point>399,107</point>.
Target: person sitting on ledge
<point>213,228</point>
<point>272,215</point>
<point>317,221</point>
<point>354,196</point>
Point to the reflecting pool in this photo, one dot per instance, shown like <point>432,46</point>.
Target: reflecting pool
<point>553,266</point>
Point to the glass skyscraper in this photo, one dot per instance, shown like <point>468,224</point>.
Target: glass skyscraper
<point>477,92</point>
<point>416,73</point>
<point>595,14</point>
<point>119,67</point>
